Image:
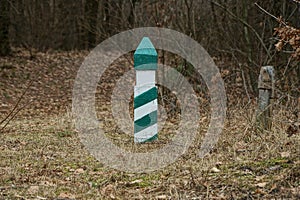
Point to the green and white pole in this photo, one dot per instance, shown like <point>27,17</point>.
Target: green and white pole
<point>145,92</point>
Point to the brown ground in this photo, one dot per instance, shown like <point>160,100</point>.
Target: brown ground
<point>42,157</point>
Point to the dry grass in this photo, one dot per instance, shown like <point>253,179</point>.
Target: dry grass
<point>41,156</point>
<point>44,159</point>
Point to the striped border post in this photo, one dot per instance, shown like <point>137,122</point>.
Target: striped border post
<point>145,92</point>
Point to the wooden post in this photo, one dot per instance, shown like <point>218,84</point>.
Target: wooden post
<point>266,84</point>
<point>145,92</point>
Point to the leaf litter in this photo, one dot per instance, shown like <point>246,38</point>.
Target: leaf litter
<point>42,157</point>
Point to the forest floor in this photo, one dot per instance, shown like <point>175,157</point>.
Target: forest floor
<point>42,156</point>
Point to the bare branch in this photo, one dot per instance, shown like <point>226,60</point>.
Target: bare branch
<point>270,14</point>
<point>17,104</point>
<point>246,24</point>
<point>13,116</point>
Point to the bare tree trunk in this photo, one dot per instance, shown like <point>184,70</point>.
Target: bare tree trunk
<point>106,22</point>
<point>298,21</point>
<point>4,27</point>
<point>131,17</point>
<point>91,11</point>
<point>249,48</point>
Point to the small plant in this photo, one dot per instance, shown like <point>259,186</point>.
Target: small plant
<point>65,133</point>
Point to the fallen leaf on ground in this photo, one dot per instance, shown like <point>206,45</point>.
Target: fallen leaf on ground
<point>79,171</point>
<point>161,197</point>
<point>261,185</point>
<point>258,178</point>
<point>285,154</point>
<point>33,189</point>
<point>215,170</point>
<point>65,195</point>
<point>41,198</point>
<point>136,181</point>
<point>107,190</point>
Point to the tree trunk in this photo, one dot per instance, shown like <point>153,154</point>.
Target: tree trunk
<point>131,17</point>
<point>4,28</point>
<point>91,12</point>
<point>249,48</point>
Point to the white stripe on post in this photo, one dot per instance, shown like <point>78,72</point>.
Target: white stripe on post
<point>148,108</point>
<point>146,133</point>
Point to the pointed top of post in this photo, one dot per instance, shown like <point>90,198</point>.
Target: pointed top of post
<point>145,56</point>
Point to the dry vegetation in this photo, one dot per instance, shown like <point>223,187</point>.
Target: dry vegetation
<point>42,157</point>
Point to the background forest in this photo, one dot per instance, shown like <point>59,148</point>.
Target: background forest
<point>44,42</point>
<point>237,30</point>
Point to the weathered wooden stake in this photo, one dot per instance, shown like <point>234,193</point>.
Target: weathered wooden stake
<point>266,84</point>
<point>145,92</point>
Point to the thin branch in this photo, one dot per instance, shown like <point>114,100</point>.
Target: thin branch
<point>245,85</point>
<point>13,7</point>
<point>277,19</point>
<point>246,24</point>
<point>18,102</point>
<point>13,116</point>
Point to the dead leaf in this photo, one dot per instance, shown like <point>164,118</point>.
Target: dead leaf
<point>261,185</point>
<point>107,190</point>
<point>79,171</point>
<point>161,197</point>
<point>259,191</point>
<point>215,170</point>
<point>136,181</point>
<point>258,178</point>
<point>33,189</point>
<point>293,129</point>
<point>279,45</point>
<point>46,183</point>
<point>285,154</point>
<point>41,198</point>
<point>274,168</point>
<point>66,195</point>
<point>274,186</point>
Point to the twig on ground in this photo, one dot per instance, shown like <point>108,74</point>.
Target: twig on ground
<point>13,116</point>
<point>17,104</point>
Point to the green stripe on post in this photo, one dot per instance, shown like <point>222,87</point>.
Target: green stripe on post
<point>145,122</point>
<point>154,137</point>
<point>145,97</point>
